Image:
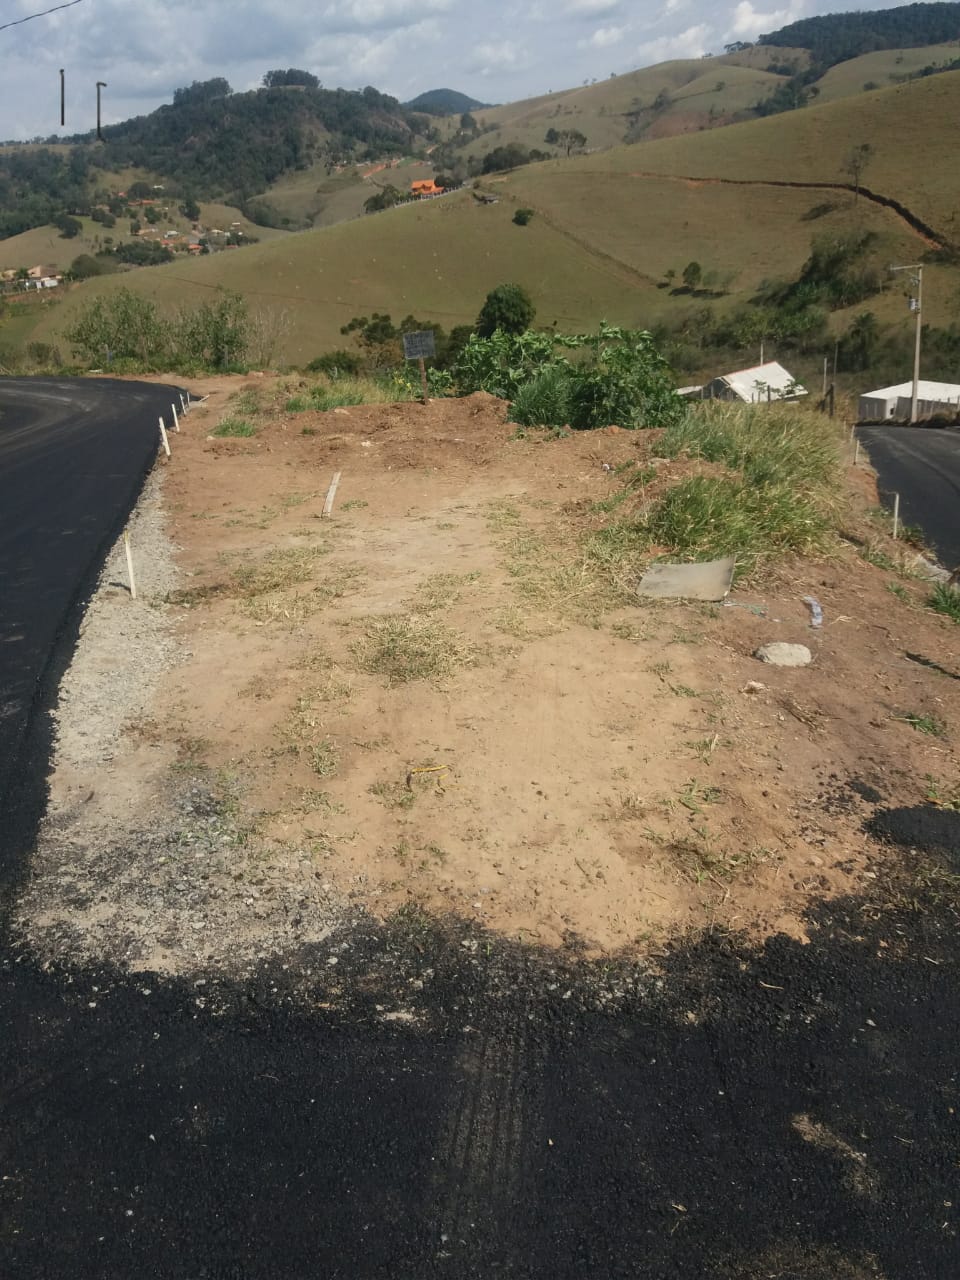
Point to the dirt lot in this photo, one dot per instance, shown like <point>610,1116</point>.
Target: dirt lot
<point>431,698</point>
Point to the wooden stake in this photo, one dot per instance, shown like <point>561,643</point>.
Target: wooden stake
<point>856,454</point>
<point>183,404</point>
<point>133,581</point>
<point>163,437</point>
<point>176,420</point>
<point>423,378</point>
<point>331,494</point>
<point>896,515</point>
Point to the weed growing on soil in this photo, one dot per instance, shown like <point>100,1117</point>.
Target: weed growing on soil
<point>945,599</point>
<point>895,588</point>
<point>875,555</point>
<point>232,426</point>
<point>324,758</point>
<point>945,796</point>
<point>700,862</point>
<point>440,590</point>
<point>279,606</point>
<point>933,726</point>
<point>247,403</point>
<point>278,570</point>
<point>393,795</point>
<point>410,646</point>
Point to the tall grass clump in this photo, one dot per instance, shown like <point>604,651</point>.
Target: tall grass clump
<point>343,391</point>
<point>945,599</point>
<point>544,401</point>
<point>779,489</point>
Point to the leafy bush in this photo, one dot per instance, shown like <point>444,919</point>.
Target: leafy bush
<point>336,364</point>
<point>621,380</point>
<point>503,362</point>
<point>523,216</point>
<point>627,383</point>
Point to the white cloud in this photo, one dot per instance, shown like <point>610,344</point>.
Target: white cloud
<point>590,8</point>
<point>676,6</point>
<point>604,38</point>
<point>487,59</point>
<point>692,43</point>
<point>347,15</point>
<point>748,22</point>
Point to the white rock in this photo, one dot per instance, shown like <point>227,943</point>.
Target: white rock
<point>780,654</point>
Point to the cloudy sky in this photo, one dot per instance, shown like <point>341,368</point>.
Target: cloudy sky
<point>495,50</point>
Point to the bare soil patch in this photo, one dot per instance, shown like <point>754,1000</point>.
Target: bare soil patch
<point>433,699</point>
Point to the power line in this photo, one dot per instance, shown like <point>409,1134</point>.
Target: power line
<point>30,17</point>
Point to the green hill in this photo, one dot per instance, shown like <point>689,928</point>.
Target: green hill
<point>443,102</point>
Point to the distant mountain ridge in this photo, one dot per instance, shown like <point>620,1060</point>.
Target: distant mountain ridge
<point>444,102</point>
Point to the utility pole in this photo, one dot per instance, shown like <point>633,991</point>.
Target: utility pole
<point>916,306</point>
<point>100,85</point>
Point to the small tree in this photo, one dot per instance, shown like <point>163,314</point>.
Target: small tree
<point>509,308</point>
<point>68,227</point>
<point>692,275</point>
<point>855,164</point>
<point>522,217</point>
<point>190,209</point>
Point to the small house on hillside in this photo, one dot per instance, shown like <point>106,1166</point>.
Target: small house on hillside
<point>896,402</point>
<point>759,385</point>
<point>427,187</point>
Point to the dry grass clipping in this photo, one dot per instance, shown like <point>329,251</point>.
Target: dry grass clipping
<point>411,646</point>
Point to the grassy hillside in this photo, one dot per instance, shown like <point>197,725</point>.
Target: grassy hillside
<point>911,128</point>
<point>605,111</point>
<point>437,260</point>
<point>881,69</point>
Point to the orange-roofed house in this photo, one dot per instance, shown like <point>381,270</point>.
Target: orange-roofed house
<point>425,188</point>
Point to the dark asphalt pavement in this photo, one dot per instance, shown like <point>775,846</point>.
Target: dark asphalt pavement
<point>922,464</point>
<point>737,1112</point>
<point>73,455</point>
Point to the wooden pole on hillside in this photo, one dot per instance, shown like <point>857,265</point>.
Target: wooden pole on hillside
<point>63,104</point>
<point>423,379</point>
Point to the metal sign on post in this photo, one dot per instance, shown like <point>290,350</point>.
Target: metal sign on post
<point>418,346</point>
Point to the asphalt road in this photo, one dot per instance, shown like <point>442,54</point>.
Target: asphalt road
<point>783,1112</point>
<point>73,454</point>
<point>922,464</point>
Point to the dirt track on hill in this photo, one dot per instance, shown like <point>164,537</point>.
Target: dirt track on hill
<point>932,239</point>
